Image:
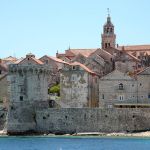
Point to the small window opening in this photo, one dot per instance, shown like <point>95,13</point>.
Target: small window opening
<point>21,98</point>
<point>73,67</point>
<point>103,96</point>
<point>120,86</point>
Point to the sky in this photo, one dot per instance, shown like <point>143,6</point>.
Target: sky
<point>44,27</point>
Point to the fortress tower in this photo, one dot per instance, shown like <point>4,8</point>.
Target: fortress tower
<point>28,88</point>
<point>108,36</point>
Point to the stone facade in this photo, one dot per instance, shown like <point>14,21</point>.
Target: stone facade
<point>28,91</point>
<point>78,86</point>
<point>143,81</point>
<point>79,120</point>
<point>120,88</point>
<point>115,88</point>
<point>4,91</point>
<point>56,65</point>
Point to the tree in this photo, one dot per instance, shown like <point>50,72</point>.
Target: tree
<point>55,89</point>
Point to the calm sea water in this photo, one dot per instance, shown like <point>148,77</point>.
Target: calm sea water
<point>49,143</point>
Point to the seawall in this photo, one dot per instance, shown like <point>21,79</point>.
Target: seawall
<point>75,120</point>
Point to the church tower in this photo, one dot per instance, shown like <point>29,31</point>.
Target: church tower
<point>108,36</point>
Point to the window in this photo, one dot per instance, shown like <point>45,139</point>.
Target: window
<point>46,61</point>
<point>149,96</point>
<point>120,86</point>
<point>0,71</point>
<point>111,30</point>
<point>73,68</point>
<point>21,98</point>
<point>121,97</point>
<point>103,96</point>
<point>140,84</point>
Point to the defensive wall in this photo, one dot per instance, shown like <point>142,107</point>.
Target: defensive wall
<point>26,119</point>
<point>75,120</point>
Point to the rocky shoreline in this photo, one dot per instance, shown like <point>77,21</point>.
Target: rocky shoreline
<point>93,134</point>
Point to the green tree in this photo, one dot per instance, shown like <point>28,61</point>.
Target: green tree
<point>55,89</point>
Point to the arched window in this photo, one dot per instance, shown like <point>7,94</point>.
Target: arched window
<point>120,86</point>
<point>111,30</point>
<point>107,30</point>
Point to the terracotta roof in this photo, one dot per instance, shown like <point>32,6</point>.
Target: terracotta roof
<point>135,58</point>
<point>56,59</point>
<point>135,47</point>
<point>128,53</point>
<point>84,52</point>
<point>34,59</point>
<point>83,66</point>
<point>37,60</point>
<point>19,60</point>
<point>143,70</point>
<point>10,58</point>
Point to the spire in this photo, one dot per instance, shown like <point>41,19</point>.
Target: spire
<point>108,12</point>
<point>108,17</point>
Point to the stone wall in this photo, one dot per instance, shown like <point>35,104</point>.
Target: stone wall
<point>74,120</point>
<point>3,114</point>
<point>3,89</point>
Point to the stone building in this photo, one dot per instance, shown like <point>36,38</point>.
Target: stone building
<point>3,91</point>
<point>28,88</point>
<point>116,88</point>
<point>143,81</point>
<point>56,65</point>
<point>125,62</point>
<point>3,84</point>
<point>142,52</point>
<point>9,60</point>
<point>79,86</point>
<point>110,56</point>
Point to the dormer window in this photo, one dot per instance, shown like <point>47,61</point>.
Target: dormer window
<point>120,86</point>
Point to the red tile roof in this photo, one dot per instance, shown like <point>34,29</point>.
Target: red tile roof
<point>37,61</point>
<point>82,66</point>
<point>143,70</point>
<point>128,53</point>
<point>135,47</point>
<point>56,59</point>
<point>84,52</point>
<point>34,59</point>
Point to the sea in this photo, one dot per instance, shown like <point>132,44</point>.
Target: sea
<point>74,143</point>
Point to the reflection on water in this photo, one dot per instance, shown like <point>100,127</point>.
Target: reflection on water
<point>66,143</point>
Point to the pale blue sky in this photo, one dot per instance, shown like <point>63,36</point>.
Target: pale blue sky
<point>45,26</point>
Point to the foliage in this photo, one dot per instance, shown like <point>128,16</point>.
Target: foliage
<point>55,89</point>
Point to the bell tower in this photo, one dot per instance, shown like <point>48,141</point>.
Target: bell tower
<point>108,36</point>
